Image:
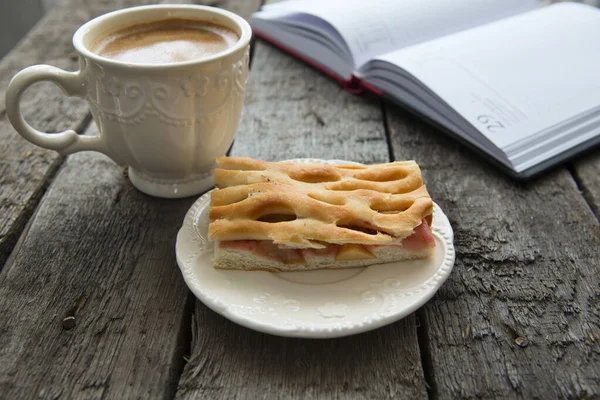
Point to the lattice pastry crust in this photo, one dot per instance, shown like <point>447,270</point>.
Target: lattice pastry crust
<point>308,205</point>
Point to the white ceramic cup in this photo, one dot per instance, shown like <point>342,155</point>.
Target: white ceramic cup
<point>167,122</point>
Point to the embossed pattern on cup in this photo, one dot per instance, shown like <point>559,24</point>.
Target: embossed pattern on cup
<point>193,114</point>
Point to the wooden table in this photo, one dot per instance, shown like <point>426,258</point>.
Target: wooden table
<point>518,318</point>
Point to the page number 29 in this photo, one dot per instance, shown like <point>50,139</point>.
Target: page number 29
<point>491,123</point>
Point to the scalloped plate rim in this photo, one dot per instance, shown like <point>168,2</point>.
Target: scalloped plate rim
<point>333,331</point>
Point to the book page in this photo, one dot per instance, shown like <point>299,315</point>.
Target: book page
<point>375,27</point>
<point>519,79</point>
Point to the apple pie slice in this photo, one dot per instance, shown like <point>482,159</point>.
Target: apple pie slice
<point>286,216</point>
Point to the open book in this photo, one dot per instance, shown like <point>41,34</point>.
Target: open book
<point>517,81</point>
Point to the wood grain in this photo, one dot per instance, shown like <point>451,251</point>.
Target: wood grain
<point>518,317</point>
<point>292,111</point>
<point>102,252</point>
<point>232,362</point>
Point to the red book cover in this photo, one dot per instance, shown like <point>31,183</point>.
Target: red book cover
<point>352,85</point>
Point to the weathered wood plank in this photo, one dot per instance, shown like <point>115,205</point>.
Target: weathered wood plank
<point>292,111</point>
<point>587,173</point>
<point>101,252</point>
<point>518,317</point>
<point>24,168</point>
<point>231,362</point>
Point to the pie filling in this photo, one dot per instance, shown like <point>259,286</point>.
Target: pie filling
<point>419,241</point>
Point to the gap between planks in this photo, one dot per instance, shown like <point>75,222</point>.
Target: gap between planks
<point>584,190</point>
<point>180,358</point>
<point>187,327</point>
<point>28,215</point>
<point>426,360</point>
<point>386,129</point>
<point>421,320</point>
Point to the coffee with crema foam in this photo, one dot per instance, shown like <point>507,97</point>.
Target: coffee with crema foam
<point>167,41</point>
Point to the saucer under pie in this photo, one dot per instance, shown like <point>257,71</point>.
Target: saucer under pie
<point>286,216</point>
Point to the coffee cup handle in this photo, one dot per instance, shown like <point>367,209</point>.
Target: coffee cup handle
<point>72,84</point>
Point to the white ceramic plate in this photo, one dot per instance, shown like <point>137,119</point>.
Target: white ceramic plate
<point>311,304</point>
